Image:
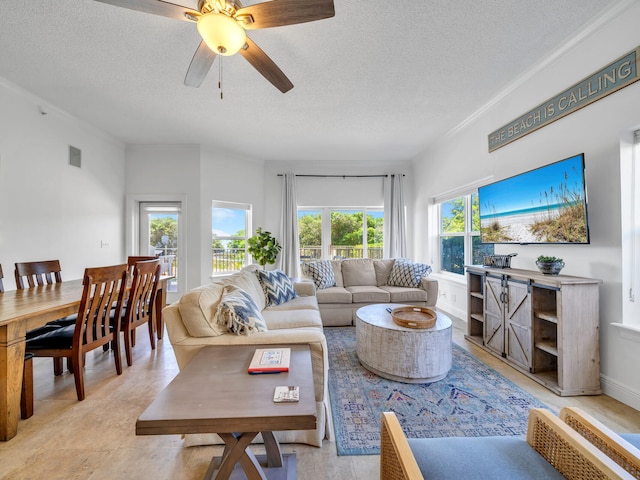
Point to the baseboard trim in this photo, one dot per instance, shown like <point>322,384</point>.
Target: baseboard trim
<point>620,392</point>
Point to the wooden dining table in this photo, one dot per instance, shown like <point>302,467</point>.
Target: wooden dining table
<point>23,310</point>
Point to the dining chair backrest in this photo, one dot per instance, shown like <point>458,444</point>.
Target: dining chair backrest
<point>133,259</point>
<point>37,273</point>
<point>141,303</point>
<point>104,287</point>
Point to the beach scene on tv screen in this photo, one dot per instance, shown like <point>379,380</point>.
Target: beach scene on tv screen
<point>546,205</point>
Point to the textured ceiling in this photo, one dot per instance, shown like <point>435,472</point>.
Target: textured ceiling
<point>379,81</point>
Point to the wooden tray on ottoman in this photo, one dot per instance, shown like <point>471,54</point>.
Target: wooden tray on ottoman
<point>414,317</point>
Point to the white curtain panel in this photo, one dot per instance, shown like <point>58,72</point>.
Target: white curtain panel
<point>395,243</point>
<point>290,254</point>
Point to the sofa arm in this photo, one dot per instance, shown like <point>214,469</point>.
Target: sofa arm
<point>430,285</point>
<point>606,440</point>
<point>305,289</point>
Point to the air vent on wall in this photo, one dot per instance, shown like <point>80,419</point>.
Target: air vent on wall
<point>75,156</point>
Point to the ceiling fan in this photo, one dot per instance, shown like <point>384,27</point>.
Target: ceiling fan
<point>222,25</point>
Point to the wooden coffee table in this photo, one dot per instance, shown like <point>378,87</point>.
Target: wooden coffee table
<point>215,394</point>
<point>410,355</point>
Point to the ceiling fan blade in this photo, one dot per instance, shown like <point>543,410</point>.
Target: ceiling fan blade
<point>200,65</point>
<point>156,7</point>
<point>269,70</point>
<point>277,13</point>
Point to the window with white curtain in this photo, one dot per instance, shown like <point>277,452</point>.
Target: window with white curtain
<point>630,221</point>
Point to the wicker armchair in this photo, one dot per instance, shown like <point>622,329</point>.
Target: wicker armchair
<point>612,444</point>
<point>568,452</point>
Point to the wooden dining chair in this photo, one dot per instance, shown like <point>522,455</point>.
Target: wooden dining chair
<point>26,393</point>
<point>141,304</point>
<point>103,288</point>
<point>33,274</point>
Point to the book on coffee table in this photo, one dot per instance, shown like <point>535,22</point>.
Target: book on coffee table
<point>270,360</point>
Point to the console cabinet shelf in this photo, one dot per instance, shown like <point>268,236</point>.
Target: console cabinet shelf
<point>545,326</point>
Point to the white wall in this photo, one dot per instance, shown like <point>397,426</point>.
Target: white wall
<point>229,178</point>
<point>162,171</point>
<point>51,210</point>
<point>596,130</point>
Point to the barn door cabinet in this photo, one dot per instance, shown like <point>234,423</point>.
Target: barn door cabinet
<point>546,326</point>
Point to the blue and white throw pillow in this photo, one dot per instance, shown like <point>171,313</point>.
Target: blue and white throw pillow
<point>405,273</point>
<point>239,313</point>
<point>321,272</point>
<point>277,287</point>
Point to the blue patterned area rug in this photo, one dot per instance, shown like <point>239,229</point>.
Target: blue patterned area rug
<point>473,400</point>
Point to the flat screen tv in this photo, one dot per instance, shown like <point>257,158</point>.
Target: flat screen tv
<point>544,205</point>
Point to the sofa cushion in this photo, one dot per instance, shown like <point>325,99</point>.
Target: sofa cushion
<point>406,273</point>
<point>334,295</point>
<point>480,457</point>
<point>632,438</point>
<point>321,272</point>
<point>298,303</point>
<point>368,294</point>
<point>337,272</point>
<point>239,313</point>
<point>277,287</point>
<point>283,319</point>
<point>358,272</point>
<point>198,311</point>
<point>404,294</point>
<point>383,270</point>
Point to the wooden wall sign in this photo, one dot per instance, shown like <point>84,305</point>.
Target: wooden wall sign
<point>618,74</point>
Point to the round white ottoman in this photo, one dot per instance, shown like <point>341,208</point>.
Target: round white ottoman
<point>410,355</point>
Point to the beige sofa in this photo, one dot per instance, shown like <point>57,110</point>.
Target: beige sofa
<point>191,325</point>
<point>363,281</point>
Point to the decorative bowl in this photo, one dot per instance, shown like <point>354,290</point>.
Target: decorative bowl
<point>550,268</point>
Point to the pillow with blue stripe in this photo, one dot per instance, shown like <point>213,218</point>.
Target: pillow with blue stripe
<point>406,273</point>
<point>321,271</point>
<point>239,313</point>
<point>277,287</point>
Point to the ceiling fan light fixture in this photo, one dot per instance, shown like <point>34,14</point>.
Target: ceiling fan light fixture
<point>221,33</point>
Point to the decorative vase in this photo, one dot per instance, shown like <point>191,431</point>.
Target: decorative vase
<point>550,268</point>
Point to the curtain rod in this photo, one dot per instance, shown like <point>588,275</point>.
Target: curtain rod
<point>341,176</point>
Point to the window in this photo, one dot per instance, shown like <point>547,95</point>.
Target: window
<point>230,228</point>
<point>459,234</point>
<point>630,216</point>
<point>333,233</point>
<point>310,234</point>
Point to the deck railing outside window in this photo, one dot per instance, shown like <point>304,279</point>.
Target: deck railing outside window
<point>228,259</point>
<point>232,259</point>
<point>339,252</point>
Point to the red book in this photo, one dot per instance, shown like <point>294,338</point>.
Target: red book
<point>270,360</point>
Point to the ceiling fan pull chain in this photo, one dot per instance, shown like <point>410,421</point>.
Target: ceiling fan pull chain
<point>220,77</point>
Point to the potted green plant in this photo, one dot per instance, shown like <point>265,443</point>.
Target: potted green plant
<point>263,247</point>
<point>549,265</point>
